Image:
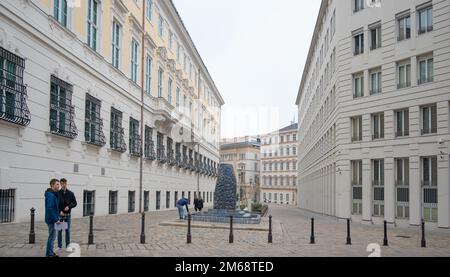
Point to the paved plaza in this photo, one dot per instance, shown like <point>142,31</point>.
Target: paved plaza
<point>119,236</point>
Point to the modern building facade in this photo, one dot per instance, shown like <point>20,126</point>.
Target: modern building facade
<point>244,155</point>
<point>279,166</point>
<point>374,112</point>
<point>111,95</point>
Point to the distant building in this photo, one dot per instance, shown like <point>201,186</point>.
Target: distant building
<point>279,166</point>
<point>244,154</point>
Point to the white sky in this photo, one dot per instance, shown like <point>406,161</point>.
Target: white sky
<point>255,51</point>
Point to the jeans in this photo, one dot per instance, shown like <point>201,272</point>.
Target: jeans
<point>180,211</point>
<point>51,240</point>
<point>67,233</point>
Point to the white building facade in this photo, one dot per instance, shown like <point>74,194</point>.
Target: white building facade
<point>279,166</point>
<point>74,81</point>
<point>374,106</point>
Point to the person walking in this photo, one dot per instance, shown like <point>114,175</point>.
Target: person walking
<point>196,203</point>
<point>67,202</point>
<point>51,215</point>
<point>200,203</point>
<point>180,205</point>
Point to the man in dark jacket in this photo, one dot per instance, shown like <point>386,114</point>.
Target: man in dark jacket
<point>51,215</point>
<point>67,202</point>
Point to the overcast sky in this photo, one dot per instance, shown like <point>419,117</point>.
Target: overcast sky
<point>255,51</point>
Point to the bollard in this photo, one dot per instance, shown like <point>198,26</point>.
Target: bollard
<point>270,229</point>
<point>91,234</point>
<point>143,229</point>
<point>424,242</point>
<point>313,239</point>
<point>32,238</point>
<point>189,237</point>
<point>231,230</point>
<point>385,241</point>
<point>349,238</point>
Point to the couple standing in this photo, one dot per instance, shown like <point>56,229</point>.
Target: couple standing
<point>59,203</point>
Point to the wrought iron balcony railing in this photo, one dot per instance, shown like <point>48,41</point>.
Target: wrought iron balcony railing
<point>117,139</point>
<point>171,158</point>
<point>94,132</point>
<point>135,145</point>
<point>179,160</point>
<point>161,154</point>
<point>149,149</point>
<point>62,121</point>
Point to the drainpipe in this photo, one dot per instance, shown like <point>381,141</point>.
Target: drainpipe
<point>141,160</point>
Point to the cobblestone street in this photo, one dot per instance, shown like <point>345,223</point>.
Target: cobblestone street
<point>119,236</point>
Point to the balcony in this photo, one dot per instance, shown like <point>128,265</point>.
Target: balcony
<point>198,166</point>
<point>161,154</point>
<point>185,162</point>
<point>178,159</point>
<point>117,140</point>
<point>135,145</point>
<point>191,164</point>
<point>171,158</point>
<point>63,123</point>
<point>150,150</point>
<point>94,133</point>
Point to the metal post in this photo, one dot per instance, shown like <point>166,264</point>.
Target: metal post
<point>91,234</point>
<point>349,238</point>
<point>385,241</point>
<point>143,229</point>
<point>231,230</point>
<point>423,242</point>
<point>189,237</point>
<point>270,229</point>
<point>32,238</point>
<point>313,240</point>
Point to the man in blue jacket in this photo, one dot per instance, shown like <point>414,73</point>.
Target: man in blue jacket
<point>180,205</point>
<point>51,215</point>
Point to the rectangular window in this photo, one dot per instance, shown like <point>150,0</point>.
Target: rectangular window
<point>149,145</point>
<point>178,97</point>
<point>62,112</point>
<point>429,188</point>
<point>425,20</point>
<point>404,27</point>
<point>161,152</point>
<point>429,119</point>
<point>13,107</point>
<point>134,60</point>
<point>402,123</point>
<point>161,27</point>
<point>175,199</point>
<point>358,85</point>
<point>149,10</point>
<point>7,205</point>
<point>358,44</point>
<point>158,200</point>
<point>404,74</point>
<point>402,187</point>
<point>60,11</point>
<point>356,123</point>
<point>378,187</point>
<point>117,135</point>
<point>92,24</point>
<point>135,138</point>
<point>160,82</point>
<point>116,32</point>
<point>358,5</point>
<point>426,70</point>
<point>169,91</point>
<point>113,201</point>
<point>167,199</point>
<point>88,203</point>
<point>146,201</point>
<point>375,37</point>
<point>93,131</point>
<point>378,126</point>
<point>148,75</point>
<point>375,81</point>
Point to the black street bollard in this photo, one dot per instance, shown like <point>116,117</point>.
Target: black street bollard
<point>349,238</point>
<point>231,230</point>
<point>423,242</point>
<point>91,233</point>
<point>32,239</point>
<point>385,240</point>
<point>189,237</point>
<point>143,229</point>
<point>270,229</point>
<point>313,239</point>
